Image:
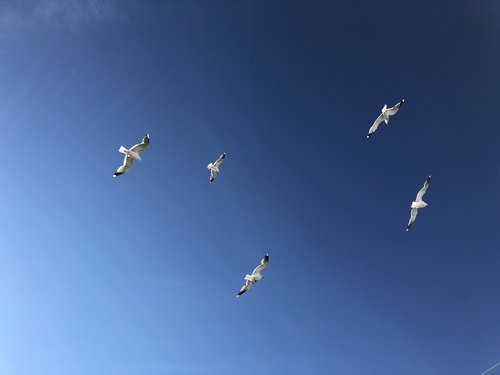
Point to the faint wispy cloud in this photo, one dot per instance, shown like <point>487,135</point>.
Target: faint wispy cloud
<point>72,15</point>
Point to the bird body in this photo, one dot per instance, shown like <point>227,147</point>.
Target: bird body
<point>254,278</point>
<point>385,115</point>
<point>134,155</point>
<point>420,204</point>
<point>213,167</point>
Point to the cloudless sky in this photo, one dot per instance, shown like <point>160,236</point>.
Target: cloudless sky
<point>138,274</point>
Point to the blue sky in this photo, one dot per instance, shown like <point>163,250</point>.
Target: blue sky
<point>138,274</point>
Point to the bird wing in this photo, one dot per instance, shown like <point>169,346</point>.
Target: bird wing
<point>413,216</point>
<point>423,190</point>
<point>375,125</point>
<point>261,266</point>
<point>143,146</point>
<point>213,174</point>
<point>244,288</point>
<point>220,160</point>
<point>128,163</point>
<point>393,110</point>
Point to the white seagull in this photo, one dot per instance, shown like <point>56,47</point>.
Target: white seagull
<point>255,276</point>
<point>384,116</point>
<point>214,167</point>
<point>418,203</point>
<point>131,155</point>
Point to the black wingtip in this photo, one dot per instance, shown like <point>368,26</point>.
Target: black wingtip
<point>116,174</point>
<point>223,156</point>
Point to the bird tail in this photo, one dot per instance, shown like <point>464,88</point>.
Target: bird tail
<point>123,150</point>
<point>386,121</point>
<point>248,277</point>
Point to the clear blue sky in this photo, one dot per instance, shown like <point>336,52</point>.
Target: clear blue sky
<point>138,274</point>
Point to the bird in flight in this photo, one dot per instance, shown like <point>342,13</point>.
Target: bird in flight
<point>214,167</point>
<point>384,116</point>
<point>131,155</point>
<point>418,203</point>
<point>255,276</point>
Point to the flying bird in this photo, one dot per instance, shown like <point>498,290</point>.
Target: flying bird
<point>384,116</point>
<point>131,155</point>
<point>255,276</point>
<point>418,203</point>
<point>214,167</point>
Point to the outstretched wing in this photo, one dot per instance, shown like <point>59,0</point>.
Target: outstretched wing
<point>244,288</point>
<point>213,174</point>
<point>423,190</point>
<point>261,266</point>
<point>220,160</point>
<point>413,216</point>
<point>393,110</point>
<point>143,146</point>
<point>128,163</point>
<point>375,126</point>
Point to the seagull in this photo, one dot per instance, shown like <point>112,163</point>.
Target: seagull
<point>255,276</point>
<point>214,167</point>
<point>418,203</point>
<point>131,155</point>
<point>384,116</point>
